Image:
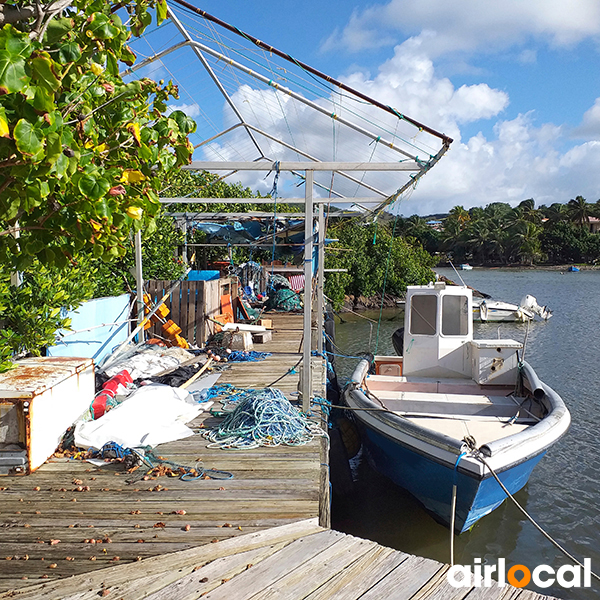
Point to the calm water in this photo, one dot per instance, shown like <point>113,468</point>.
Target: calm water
<point>563,493</point>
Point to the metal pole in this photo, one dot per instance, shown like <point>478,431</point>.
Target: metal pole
<point>320,279</point>
<point>306,383</point>
<point>184,228</point>
<point>16,277</point>
<point>139,282</point>
<point>212,75</point>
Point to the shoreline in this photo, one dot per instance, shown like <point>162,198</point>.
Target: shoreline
<point>564,267</point>
<point>360,303</point>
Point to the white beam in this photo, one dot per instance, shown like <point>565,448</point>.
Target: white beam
<point>320,280</point>
<point>306,384</point>
<point>139,282</point>
<point>180,200</point>
<point>264,165</point>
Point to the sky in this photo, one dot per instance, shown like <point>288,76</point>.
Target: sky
<point>516,84</point>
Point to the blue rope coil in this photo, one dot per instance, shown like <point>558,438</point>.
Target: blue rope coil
<point>262,418</point>
<point>247,356</point>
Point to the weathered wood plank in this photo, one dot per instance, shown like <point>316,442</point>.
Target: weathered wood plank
<point>187,559</point>
<point>167,586</point>
<point>493,593</point>
<point>272,569</point>
<point>405,580</point>
<point>271,486</point>
<point>316,571</point>
<point>359,577</point>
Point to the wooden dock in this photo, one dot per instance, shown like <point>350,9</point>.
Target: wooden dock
<point>70,517</point>
<point>297,561</point>
<point>265,533</point>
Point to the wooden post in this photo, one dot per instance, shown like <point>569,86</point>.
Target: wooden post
<point>306,384</point>
<point>139,282</point>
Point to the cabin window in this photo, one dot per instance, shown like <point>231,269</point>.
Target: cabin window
<point>423,311</point>
<point>455,315</point>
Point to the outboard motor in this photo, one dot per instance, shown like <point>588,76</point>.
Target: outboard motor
<point>398,341</point>
<point>530,303</point>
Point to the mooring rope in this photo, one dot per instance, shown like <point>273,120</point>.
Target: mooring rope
<point>479,456</point>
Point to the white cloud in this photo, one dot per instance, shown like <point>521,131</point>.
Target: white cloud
<point>528,57</point>
<point>470,24</point>
<point>408,80</point>
<point>191,110</point>
<point>520,161</point>
<point>590,124</point>
<point>517,157</point>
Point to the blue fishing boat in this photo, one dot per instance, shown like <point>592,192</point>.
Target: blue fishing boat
<point>453,412</point>
<point>573,269</point>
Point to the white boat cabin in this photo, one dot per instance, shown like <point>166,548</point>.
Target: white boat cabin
<point>438,340</point>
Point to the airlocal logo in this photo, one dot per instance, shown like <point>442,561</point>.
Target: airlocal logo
<point>543,576</point>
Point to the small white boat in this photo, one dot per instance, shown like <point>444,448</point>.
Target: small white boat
<point>495,310</point>
<point>465,267</point>
<point>438,420</point>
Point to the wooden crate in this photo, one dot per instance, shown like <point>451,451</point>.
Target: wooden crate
<point>191,303</point>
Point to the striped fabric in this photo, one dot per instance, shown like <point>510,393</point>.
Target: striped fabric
<point>297,282</point>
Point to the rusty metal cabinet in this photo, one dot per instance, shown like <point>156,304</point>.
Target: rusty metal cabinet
<point>39,400</point>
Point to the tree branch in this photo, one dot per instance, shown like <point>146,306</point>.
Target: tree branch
<point>6,183</point>
<point>15,14</point>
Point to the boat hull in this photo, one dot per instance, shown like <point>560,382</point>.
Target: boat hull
<point>431,481</point>
<point>497,315</point>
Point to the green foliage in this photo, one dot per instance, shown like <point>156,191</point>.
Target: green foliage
<point>158,261</point>
<point>32,312</point>
<point>499,234</point>
<point>364,251</point>
<point>208,185</point>
<point>83,156</point>
<point>82,153</point>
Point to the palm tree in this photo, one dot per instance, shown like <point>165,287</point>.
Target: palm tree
<point>460,215</point>
<point>556,212</point>
<point>579,211</point>
<point>530,247</point>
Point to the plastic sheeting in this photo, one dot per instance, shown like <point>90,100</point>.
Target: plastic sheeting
<point>153,414</point>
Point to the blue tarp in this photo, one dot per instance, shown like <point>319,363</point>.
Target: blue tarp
<point>203,275</point>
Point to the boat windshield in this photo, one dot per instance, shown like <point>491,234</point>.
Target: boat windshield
<point>423,313</point>
<point>455,315</point>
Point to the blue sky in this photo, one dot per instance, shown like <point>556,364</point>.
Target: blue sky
<point>515,83</point>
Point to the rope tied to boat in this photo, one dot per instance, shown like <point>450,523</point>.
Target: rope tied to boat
<point>478,455</point>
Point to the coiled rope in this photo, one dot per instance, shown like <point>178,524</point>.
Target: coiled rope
<point>247,356</point>
<point>263,418</point>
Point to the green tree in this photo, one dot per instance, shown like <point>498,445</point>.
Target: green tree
<point>578,211</point>
<point>371,261</point>
<point>82,153</point>
<point>32,312</point>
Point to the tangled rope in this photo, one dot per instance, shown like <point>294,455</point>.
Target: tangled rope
<point>263,418</point>
<point>132,457</point>
<point>247,356</point>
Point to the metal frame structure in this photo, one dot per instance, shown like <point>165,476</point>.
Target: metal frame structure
<point>406,161</point>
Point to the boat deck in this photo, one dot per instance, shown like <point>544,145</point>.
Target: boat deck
<point>454,408</point>
<point>300,560</point>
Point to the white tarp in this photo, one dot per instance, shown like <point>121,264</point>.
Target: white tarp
<point>152,415</point>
